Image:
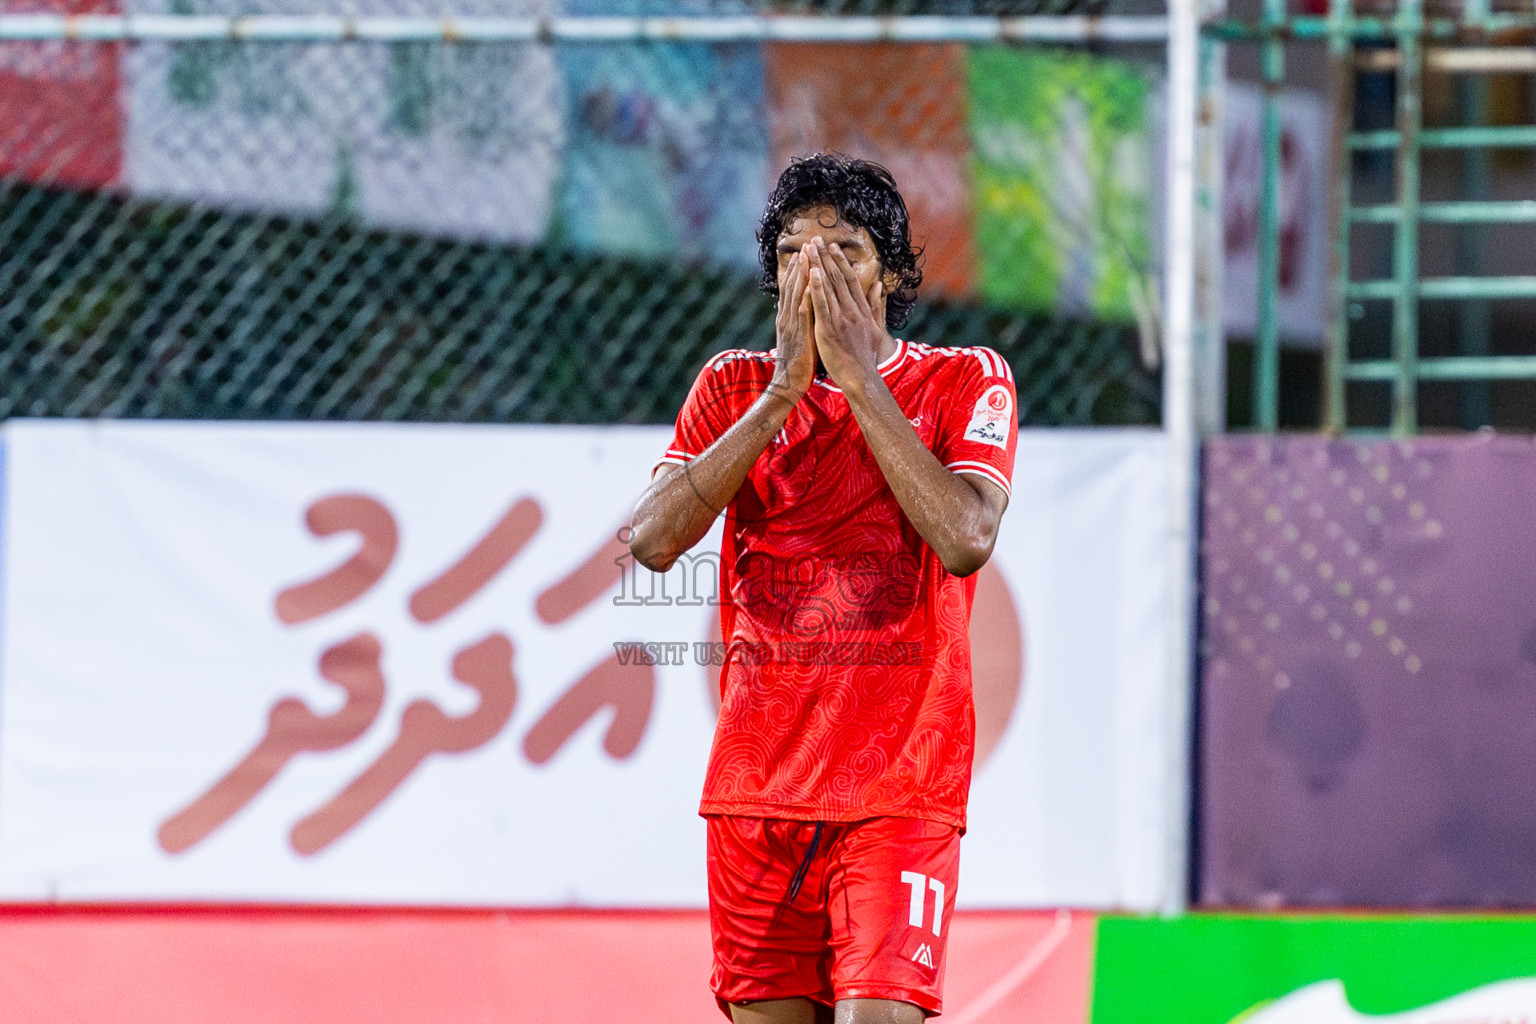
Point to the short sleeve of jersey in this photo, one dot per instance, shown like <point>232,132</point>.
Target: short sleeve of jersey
<point>980,425</point>
<point>708,411</point>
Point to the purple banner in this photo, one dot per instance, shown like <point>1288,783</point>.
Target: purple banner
<point>1368,710</point>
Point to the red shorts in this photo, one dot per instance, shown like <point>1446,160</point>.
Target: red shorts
<point>840,910</point>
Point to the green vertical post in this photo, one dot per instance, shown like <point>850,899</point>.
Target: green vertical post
<point>1341,69</point>
<point>1405,315</point>
<point>1473,320</point>
<point>1473,326</point>
<point>1266,349</point>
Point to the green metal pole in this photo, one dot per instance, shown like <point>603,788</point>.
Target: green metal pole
<point>1450,288</point>
<point>1266,349</point>
<point>1405,318</point>
<point>1442,29</point>
<point>1494,137</point>
<point>1512,211</point>
<point>1341,52</point>
<point>1460,368</point>
<point>1473,320</point>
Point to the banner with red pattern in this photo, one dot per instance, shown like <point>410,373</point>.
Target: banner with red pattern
<point>405,664</point>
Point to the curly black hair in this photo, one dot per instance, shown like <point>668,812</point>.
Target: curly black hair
<point>864,195</point>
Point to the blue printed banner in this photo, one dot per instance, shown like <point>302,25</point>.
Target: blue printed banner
<point>667,153</point>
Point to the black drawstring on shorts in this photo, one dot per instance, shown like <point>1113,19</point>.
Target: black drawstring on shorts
<point>805,865</point>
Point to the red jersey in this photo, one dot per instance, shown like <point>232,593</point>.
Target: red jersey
<point>846,692</point>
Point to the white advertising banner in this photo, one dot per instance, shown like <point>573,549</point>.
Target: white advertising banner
<point>410,664</point>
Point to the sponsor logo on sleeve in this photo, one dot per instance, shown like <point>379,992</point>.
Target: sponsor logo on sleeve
<point>992,418</point>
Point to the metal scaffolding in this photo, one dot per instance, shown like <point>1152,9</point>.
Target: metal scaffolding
<point>1466,45</point>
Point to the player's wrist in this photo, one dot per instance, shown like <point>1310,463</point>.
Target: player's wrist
<point>781,389</point>
<point>856,380</point>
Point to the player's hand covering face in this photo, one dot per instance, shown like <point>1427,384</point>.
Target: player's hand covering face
<point>792,326</point>
<point>844,288</point>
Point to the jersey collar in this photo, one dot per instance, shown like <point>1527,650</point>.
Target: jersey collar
<point>892,363</point>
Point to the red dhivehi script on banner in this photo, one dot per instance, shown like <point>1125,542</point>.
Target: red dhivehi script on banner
<point>623,683</point>
<point>354,665</point>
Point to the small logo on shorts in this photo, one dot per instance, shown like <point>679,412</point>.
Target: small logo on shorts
<point>924,956</point>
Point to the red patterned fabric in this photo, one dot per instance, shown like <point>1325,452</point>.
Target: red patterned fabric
<point>846,692</point>
<point>869,918</point>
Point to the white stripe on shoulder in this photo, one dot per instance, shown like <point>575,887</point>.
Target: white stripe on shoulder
<point>1003,370</point>
<point>993,364</point>
<point>732,355</point>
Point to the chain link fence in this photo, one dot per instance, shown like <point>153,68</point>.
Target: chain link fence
<point>542,232</point>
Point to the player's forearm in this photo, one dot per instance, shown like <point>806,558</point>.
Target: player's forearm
<point>679,507</point>
<point>947,512</point>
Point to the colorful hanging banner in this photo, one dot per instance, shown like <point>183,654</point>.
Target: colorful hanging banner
<point>667,153</point>
<point>1062,179</point>
<point>902,106</point>
<point>60,113</point>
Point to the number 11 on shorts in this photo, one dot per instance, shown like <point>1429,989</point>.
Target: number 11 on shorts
<point>920,885</point>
